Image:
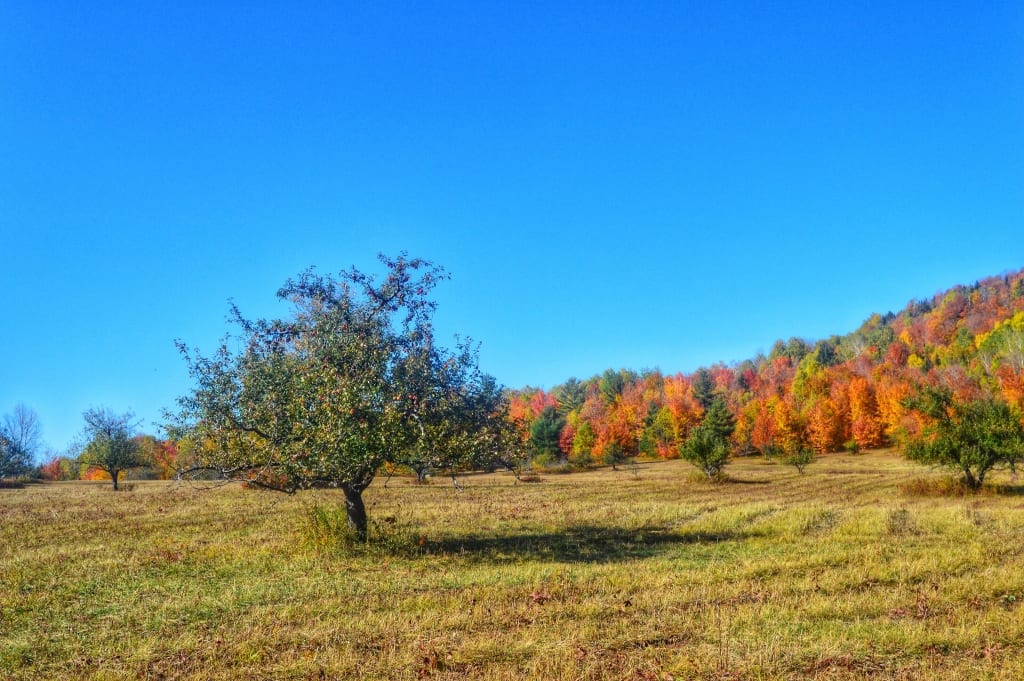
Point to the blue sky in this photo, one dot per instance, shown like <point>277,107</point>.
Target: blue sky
<point>609,184</point>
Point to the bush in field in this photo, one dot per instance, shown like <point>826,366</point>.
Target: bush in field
<point>581,459</point>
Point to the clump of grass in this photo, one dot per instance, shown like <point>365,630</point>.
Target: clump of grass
<point>977,517</point>
<point>326,530</point>
<point>122,487</point>
<point>899,522</point>
<point>820,521</point>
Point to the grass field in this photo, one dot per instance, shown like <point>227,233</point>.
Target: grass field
<point>648,574</point>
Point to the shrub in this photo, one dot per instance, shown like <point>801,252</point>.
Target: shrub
<point>799,458</point>
<point>327,529</point>
<point>544,460</point>
<point>613,455</point>
<point>899,522</point>
<point>581,459</point>
<point>708,452</point>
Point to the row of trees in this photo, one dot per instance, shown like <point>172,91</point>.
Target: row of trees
<point>110,445</point>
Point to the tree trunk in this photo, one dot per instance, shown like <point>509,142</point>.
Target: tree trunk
<point>356,511</point>
<point>113,476</point>
<point>969,479</point>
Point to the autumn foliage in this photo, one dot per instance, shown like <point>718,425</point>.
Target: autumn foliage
<point>847,391</point>
<point>843,391</point>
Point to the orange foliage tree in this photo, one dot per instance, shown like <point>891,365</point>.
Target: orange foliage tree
<point>866,425</point>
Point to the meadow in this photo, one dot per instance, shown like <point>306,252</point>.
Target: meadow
<point>852,570</point>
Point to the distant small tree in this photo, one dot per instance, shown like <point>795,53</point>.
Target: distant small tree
<point>770,451</point>
<point>19,440</point>
<point>800,458</point>
<point>56,466</point>
<point>973,437</point>
<point>111,444</point>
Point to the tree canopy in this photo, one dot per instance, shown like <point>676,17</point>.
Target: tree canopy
<point>352,380</point>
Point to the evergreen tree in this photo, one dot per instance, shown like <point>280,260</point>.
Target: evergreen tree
<point>544,434</point>
<point>703,387</point>
<point>707,448</point>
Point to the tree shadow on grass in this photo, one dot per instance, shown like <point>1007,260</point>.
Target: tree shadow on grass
<point>955,487</point>
<point>577,544</point>
<point>1004,490</point>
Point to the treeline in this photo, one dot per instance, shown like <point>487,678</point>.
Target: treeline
<point>864,390</point>
<point>844,392</point>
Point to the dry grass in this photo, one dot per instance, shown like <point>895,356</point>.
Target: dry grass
<point>834,574</point>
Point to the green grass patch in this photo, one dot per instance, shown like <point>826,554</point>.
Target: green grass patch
<point>838,573</point>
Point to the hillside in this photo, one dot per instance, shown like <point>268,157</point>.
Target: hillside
<point>840,392</point>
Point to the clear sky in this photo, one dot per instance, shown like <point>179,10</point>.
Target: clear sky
<point>610,184</point>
